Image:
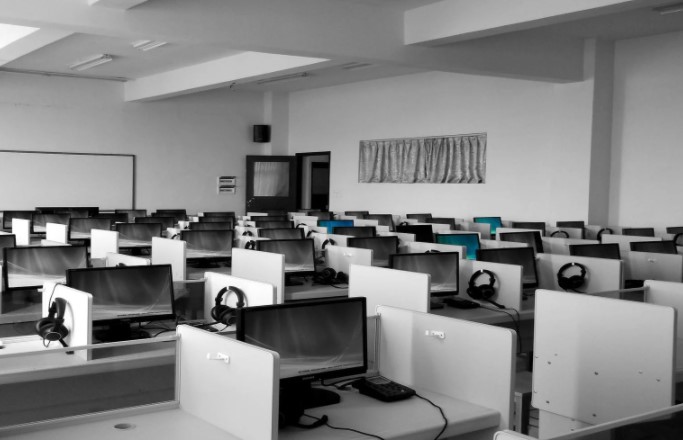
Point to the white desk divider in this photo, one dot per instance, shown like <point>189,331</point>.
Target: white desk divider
<point>340,258</point>
<point>256,293</point>
<point>332,239</point>
<point>103,242</point>
<point>440,228</point>
<point>508,284</point>
<point>667,293</point>
<point>266,267</point>
<point>112,259</point>
<point>255,214</point>
<point>382,286</point>
<point>305,219</point>
<point>410,221</point>
<point>21,228</point>
<point>497,244</point>
<point>592,231</point>
<point>239,230</point>
<point>484,229</point>
<point>77,315</point>
<point>455,365</point>
<point>365,222</point>
<point>416,247</point>
<point>173,252</point>
<point>239,396</point>
<point>625,240</point>
<point>602,274</point>
<point>47,243</point>
<point>57,232</point>
<point>557,245</point>
<point>403,237</point>
<point>652,266</point>
<point>593,364</point>
<point>572,232</point>
<point>241,241</point>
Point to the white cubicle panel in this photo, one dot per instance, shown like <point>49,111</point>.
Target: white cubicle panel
<point>497,244</point>
<point>240,395</point>
<point>256,214</point>
<point>113,259</point>
<point>321,240</point>
<point>667,293</point>
<point>445,355</point>
<point>556,245</point>
<point>414,247</point>
<point>593,364</point>
<point>266,267</point>
<point>47,243</point>
<point>484,229</point>
<point>602,274</point>
<point>507,284</point>
<point>256,293</point>
<point>21,228</point>
<point>77,315</point>
<point>103,242</point>
<point>652,266</point>
<point>382,286</point>
<point>365,222</point>
<point>572,232</point>
<point>173,252</point>
<point>340,258</point>
<point>241,241</point>
<point>625,240</point>
<point>57,232</point>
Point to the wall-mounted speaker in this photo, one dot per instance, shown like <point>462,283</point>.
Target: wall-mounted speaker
<point>261,133</point>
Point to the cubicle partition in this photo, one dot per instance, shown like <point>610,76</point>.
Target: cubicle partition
<point>554,245</point>
<point>652,266</point>
<point>261,266</point>
<point>601,274</point>
<point>382,286</point>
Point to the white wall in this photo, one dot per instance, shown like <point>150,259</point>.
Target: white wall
<point>538,142</point>
<point>182,144</point>
<point>647,155</point>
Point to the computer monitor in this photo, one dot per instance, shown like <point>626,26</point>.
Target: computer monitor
<point>493,222</point>
<point>642,232</point>
<point>357,214</point>
<point>137,234</point>
<point>178,214</point>
<point>282,233</point>
<point>604,250</point>
<point>530,225</point>
<point>470,241</point>
<point>421,218</point>
<point>29,267</point>
<point>210,226</point>
<point>218,219</point>
<point>315,340</point>
<point>166,222</point>
<point>39,221</point>
<point>423,233</point>
<point>443,221</point>
<point>322,215</point>
<point>382,219</point>
<point>299,256</point>
<point>442,266</point>
<point>530,238</point>
<point>580,224</point>
<point>7,217</point>
<point>269,224</point>
<point>522,256</point>
<point>79,228</point>
<point>355,231</point>
<point>74,211</point>
<point>218,214</point>
<point>208,246</point>
<point>382,248</point>
<point>132,213</point>
<point>6,241</point>
<point>270,218</point>
<point>660,247</point>
<point>331,224</point>
<point>116,218</point>
<point>123,295</point>
<point>674,230</point>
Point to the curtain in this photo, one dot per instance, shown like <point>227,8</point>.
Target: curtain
<point>443,159</point>
<point>271,179</point>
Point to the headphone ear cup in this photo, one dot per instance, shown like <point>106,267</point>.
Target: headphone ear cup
<point>486,291</point>
<point>575,281</point>
<point>474,292</point>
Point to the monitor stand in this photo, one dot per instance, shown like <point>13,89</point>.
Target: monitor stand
<point>118,331</point>
<point>303,395</point>
<point>290,282</point>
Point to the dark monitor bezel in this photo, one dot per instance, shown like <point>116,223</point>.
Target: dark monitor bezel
<point>525,249</point>
<point>269,224</point>
<point>358,214</point>
<point>119,226</point>
<point>351,230</point>
<point>575,250</point>
<point>218,214</point>
<point>132,213</point>
<point>674,230</point>
<point>178,214</point>
<point>310,242</point>
<point>420,217</point>
<point>166,222</point>
<point>389,238</point>
<point>270,218</point>
<point>90,211</point>
<point>330,225</point>
<point>420,231</point>
<point>648,246</point>
<point>266,231</point>
<point>467,251</point>
<point>115,218</point>
<point>7,217</point>
<point>383,220</point>
<point>229,236</point>
<point>539,226</point>
<point>218,219</point>
<point>578,224</point>
<point>76,221</point>
<point>210,226</point>
<point>6,237</point>
<point>531,238</point>
<point>638,232</point>
<point>46,249</point>
<point>432,255</point>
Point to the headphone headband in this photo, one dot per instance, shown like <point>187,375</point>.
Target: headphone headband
<point>475,276</point>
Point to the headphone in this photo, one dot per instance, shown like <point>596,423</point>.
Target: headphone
<point>573,282</point>
<point>675,239</point>
<point>309,233</point>
<point>248,233</point>
<point>52,328</point>
<point>330,276</point>
<point>329,241</point>
<point>251,244</point>
<point>225,314</point>
<point>483,292</point>
<point>432,251</point>
<point>602,231</point>
<point>566,235</point>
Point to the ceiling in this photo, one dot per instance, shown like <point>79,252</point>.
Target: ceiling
<point>291,45</point>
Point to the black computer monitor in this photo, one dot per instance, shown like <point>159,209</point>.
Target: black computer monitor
<point>423,233</point>
<point>674,230</point>
<point>39,221</point>
<point>270,224</point>
<point>357,214</point>
<point>442,266</point>
<point>281,233</point>
<point>604,250</point>
<point>493,222</point>
<point>315,340</point>
<point>116,218</point>
<point>6,241</point>
<point>218,219</point>
<point>210,226</point>
<point>443,221</point>
<point>7,217</point>
<point>208,246</point>
<point>29,267</point>
<point>218,214</point>
<point>74,211</point>
<point>530,238</point>
<point>522,256</point>
<point>270,218</point>
<point>322,215</point>
<point>530,225</point>
<point>382,219</point>
<point>382,248</point>
<point>178,214</point>
<point>79,228</point>
<point>659,247</point>
<point>166,222</point>
<point>642,232</point>
<point>421,218</point>
<point>123,295</point>
<point>470,241</point>
<point>355,231</point>
<point>132,213</point>
<point>332,224</point>
<point>137,234</point>
<point>579,224</point>
<point>299,256</point>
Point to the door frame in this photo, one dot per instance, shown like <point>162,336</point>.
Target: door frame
<point>299,173</point>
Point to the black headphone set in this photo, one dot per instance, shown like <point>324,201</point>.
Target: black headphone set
<point>675,239</point>
<point>432,251</point>
<point>573,282</point>
<point>251,244</point>
<point>483,292</point>
<point>223,313</point>
<point>602,231</point>
<point>248,233</point>
<point>329,241</point>
<point>330,276</point>
<point>52,328</point>
<point>559,231</point>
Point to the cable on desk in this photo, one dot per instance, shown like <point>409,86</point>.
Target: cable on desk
<point>445,420</point>
<point>516,322</point>
<point>339,428</point>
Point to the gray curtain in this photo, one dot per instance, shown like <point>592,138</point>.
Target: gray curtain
<point>444,159</point>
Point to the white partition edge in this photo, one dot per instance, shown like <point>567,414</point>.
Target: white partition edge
<point>266,267</point>
<point>382,286</point>
<point>667,293</point>
<point>112,259</point>
<point>57,232</point>
<point>256,293</point>
<point>173,252</point>
<point>340,258</point>
<point>21,228</point>
<point>77,316</point>
<point>102,242</point>
<point>652,266</point>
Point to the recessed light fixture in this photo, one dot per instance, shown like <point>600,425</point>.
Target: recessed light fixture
<point>91,62</point>
<point>9,33</point>
<point>148,44</point>
<point>669,9</point>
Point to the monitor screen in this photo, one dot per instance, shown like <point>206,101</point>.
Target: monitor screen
<point>642,232</point>
<point>382,248</point>
<point>530,225</point>
<point>80,211</point>
<point>355,231</point>
<point>421,218</point>
<point>210,226</point>
<point>137,234</point>
<point>218,219</point>
<point>383,219</point>
<point>423,233</point>
<point>178,214</point>
<point>270,224</point>
<point>7,217</point>
<point>331,224</point>
<point>322,215</point>
<point>29,267</point>
<point>281,233</point>
<point>470,241</point>
<point>208,245</point>
<point>530,238</point>
<point>166,222</point>
<point>270,218</point>
<point>442,266</point>
<point>6,241</point>
<point>38,221</point>
<point>132,213</point>
<point>299,254</point>
<point>605,250</point>
<point>357,214</point>
<point>116,218</point>
<point>493,222</point>
<point>79,228</point>
<point>523,256</point>
<point>443,221</point>
<point>218,214</point>
<point>660,247</point>
<point>571,224</point>
<point>674,230</point>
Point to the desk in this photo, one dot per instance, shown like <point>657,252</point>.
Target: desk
<point>311,290</point>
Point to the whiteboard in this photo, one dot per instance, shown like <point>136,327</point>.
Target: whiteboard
<point>33,178</point>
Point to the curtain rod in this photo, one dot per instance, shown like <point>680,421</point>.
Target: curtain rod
<point>425,137</point>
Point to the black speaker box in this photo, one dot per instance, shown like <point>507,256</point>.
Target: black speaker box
<point>261,133</point>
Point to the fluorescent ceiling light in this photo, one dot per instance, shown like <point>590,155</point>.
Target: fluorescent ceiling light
<point>9,33</point>
<point>669,9</point>
<point>282,78</point>
<point>148,44</point>
<point>92,61</point>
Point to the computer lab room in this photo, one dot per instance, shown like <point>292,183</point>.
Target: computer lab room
<point>341,219</point>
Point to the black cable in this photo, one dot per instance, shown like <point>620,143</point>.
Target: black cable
<point>516,322</point>
<point>344,429</point>
<point>445,420</point>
